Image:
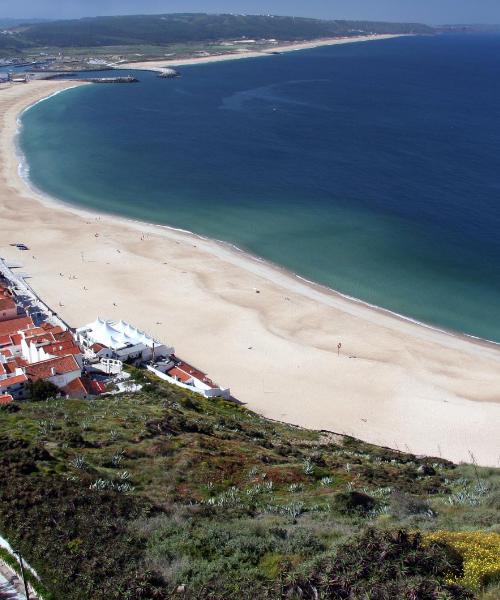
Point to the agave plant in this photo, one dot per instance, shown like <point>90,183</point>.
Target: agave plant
<point>308,467</point>
<point>117,458</point>
<point>327,481</point>
<point>78,462</point>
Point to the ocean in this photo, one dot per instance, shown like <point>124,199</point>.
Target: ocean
<point>372,168</point>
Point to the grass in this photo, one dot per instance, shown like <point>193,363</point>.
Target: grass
<point>176,490</point>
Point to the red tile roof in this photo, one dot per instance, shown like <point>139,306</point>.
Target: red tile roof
<point>15,325</point>
<point>7,383</point>
<point>5,340</point>
<point>43,369</point>
<point>16,339</point>
<point>6,303</point>
<point>10,367</point>
<point>38,331</point>
<point>62,348</point>
<point>187,368</point>
<point>45,338</point>
<point>40,336</point>
<point>55,329</point>
<point>5,399</point>
<point>96,387</point>
<point>75,388</point>
<point>180,375</point>
<point>98,347</point>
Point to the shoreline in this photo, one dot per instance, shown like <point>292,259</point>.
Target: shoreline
<point>159,65</point>
<point>272,332</point>
<point>50,201</point>
<point>230,247</point>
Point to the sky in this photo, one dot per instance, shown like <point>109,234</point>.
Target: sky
<point>424,11</point>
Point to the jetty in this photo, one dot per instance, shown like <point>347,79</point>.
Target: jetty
<point>126,79</point>
<point>168,73</point>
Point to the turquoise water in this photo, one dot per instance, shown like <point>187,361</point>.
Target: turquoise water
<point>372,168</point>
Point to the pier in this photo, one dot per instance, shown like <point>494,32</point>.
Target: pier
<point>127,79</point>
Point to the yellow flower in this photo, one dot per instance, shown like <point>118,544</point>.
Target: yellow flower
<point>480,551</point>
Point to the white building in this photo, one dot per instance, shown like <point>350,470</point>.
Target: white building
<point>61,371</point>
<point>182,374</point>
<point>119,340</point>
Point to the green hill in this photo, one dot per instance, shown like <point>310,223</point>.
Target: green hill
<point>139,495</point>
<point>177,28</point>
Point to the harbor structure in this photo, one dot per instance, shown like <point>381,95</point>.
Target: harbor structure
<point>168,73</point>
<point>125,79</point>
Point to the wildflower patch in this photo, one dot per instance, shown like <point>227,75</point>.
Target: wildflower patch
<point>480,551</point>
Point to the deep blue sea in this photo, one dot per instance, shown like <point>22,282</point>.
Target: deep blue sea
<point>373,168</point>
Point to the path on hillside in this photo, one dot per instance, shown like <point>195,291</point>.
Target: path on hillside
<point>10,586</point>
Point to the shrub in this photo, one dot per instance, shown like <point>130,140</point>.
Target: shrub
<point>380,565</point>
<point>353,502</point>
<point>9,408</point>
<point>41,390</point>
<point>403,505</point>
<point>69,533</point>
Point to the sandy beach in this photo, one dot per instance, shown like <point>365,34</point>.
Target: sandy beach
<point>395,383</point>
<point>158,65</point>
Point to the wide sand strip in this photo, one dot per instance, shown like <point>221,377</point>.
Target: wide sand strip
<point>158,65</point>
<point>268,335</point>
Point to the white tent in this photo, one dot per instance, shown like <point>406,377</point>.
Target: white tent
<point>120,337</point>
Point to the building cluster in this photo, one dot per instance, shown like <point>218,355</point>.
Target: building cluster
<point>111,343</point>
<point>30,352</point>
<point>35,345</point>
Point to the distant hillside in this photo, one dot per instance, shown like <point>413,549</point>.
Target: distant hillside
<point>175,28</point>
<point>8,23</point>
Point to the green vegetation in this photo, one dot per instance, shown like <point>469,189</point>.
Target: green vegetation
<point>139,495</point>
<point>41,390</point>
<point>181,28</point>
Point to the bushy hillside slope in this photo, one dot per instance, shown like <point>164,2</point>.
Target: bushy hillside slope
<point>175,28</point>
<point>160,493</point>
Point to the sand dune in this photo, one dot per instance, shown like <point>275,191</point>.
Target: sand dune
<point>395,383</point>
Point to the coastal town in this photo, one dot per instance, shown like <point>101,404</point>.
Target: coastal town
<point>41,354</point>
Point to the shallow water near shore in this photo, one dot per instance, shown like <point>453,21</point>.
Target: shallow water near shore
<point>371,168</point>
